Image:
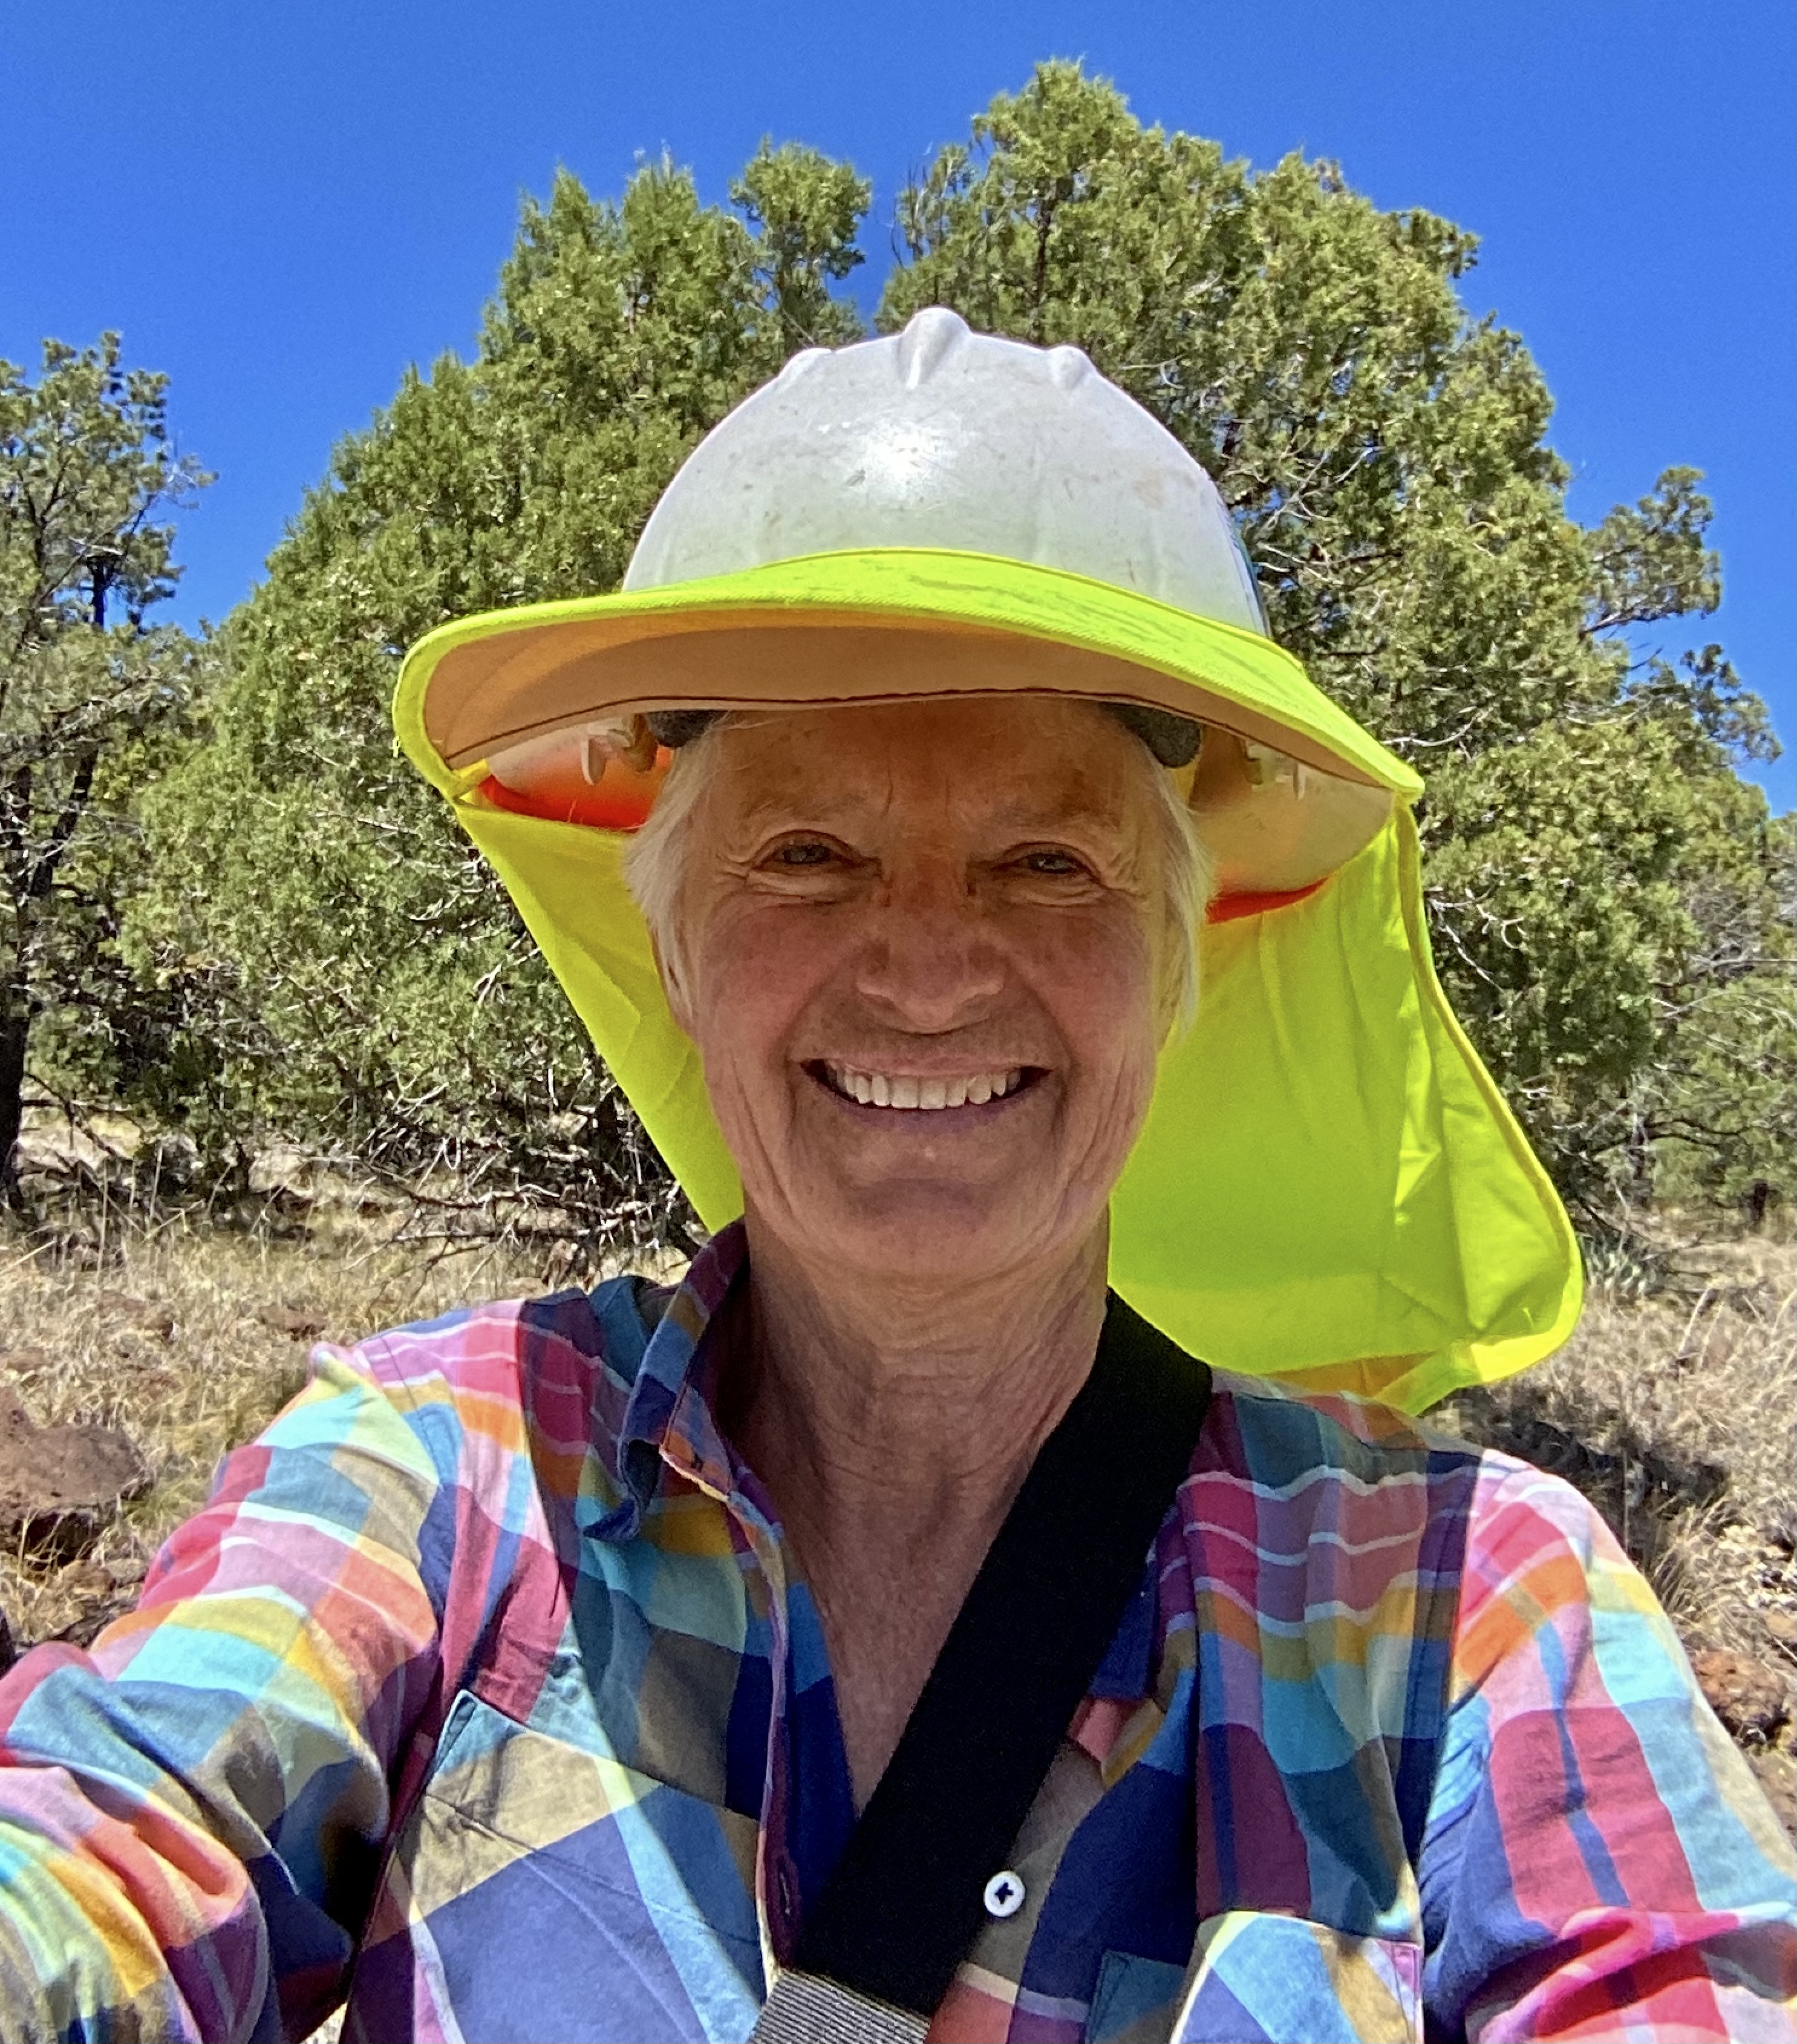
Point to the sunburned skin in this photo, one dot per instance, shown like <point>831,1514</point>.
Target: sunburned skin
<point>920,965</point>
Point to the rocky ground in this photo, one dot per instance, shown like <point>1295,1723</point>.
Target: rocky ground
<point>131,1359</point>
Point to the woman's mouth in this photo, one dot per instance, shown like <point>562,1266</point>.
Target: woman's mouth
<point>908,1092</point>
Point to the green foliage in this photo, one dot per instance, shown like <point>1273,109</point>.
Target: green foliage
<point>806,211</point>
<point>354,978</point>
<point>1648,559</point>
<point>1608,914</point>
<point>1611,902</point>
<point>91,697</point>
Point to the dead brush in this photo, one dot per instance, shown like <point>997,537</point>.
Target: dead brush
<point>1675,1413</point>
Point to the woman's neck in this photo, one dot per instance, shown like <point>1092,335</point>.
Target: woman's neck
<point>893,1426</point>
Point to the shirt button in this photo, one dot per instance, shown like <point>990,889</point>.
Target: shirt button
<point>1005,1894</point>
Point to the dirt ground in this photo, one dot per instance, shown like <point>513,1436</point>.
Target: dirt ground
<point>1676,1413</point>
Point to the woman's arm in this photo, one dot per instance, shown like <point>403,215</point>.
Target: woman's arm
<point>1598,1857</point>
<point>191,1813</point>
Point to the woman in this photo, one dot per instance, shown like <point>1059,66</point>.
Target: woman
<point>534,1674</point>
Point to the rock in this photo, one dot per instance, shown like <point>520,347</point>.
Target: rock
<point>83,1630</point>
<point>100,1579</point>
<point>85,1579</point>
<point>59,1486</point>
<point>137,1316</point>
<point>296,1323</point>
<point>1777,1775</point>
<point>1751,1699</point>
<point>1781,1628</point>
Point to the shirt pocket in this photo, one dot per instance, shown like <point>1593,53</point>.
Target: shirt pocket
<point>539,1890</point>
<point>1263,1979</point>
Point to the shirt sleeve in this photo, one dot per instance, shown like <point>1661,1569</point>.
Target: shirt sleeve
<point>1598,1859</point>
<point>191,1813</point>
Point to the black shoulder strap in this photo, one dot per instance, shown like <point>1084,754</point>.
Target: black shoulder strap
<point>907,1900</point>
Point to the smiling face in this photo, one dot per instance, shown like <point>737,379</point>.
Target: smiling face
<point>919,958</point>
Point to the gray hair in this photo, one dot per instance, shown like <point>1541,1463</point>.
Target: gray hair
<point>655,871</point>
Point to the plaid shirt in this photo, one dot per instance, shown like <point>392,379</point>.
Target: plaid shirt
<point>482,1688</point>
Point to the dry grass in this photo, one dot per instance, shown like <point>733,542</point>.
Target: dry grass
<point>1678,1418</point>
<point>175,1334</point>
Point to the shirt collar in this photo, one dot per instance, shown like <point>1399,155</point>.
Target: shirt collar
<point>669,1419</point>
<point>671,1422</point>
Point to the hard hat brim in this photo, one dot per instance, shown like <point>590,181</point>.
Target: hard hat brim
<point>878,624</point>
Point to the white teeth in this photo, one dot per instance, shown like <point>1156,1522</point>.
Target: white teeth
<point>879,1090</point>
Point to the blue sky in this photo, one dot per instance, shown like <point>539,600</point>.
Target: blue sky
<point>283,204</point>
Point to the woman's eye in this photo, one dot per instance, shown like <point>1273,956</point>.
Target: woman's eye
<point>1053,863</point>
<point>803,852</point>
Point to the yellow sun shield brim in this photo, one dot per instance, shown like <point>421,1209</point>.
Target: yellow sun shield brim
<point>1328,1187</point>
<point>862,627</point>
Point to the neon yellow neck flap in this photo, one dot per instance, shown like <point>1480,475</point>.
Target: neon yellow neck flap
<point>1329,1187</point>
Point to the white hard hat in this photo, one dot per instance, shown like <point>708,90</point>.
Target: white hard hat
<point>934,442</point>
<point>940,437</point>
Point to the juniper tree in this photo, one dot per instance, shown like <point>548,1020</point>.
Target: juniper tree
<point>88,682</point>
<point>356,978</point>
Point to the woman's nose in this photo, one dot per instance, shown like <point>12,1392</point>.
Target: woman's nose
<point>931,960</point>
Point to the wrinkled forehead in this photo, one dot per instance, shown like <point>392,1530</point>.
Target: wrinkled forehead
<point>1031,763</point>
